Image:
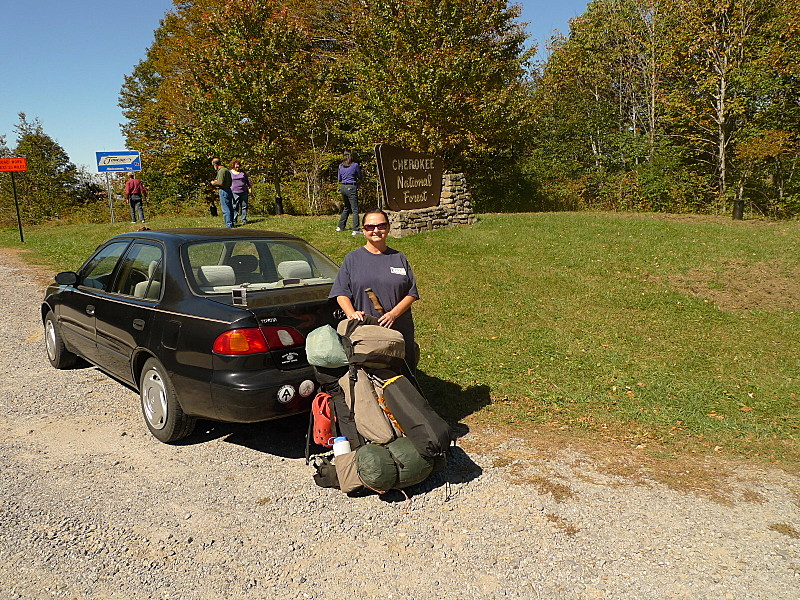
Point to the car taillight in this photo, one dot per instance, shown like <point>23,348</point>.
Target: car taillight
<point>255,340</point>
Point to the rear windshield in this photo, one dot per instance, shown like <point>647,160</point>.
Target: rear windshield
<point>217,267</point>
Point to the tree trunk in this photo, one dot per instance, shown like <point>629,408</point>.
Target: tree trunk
<point>278,198</point>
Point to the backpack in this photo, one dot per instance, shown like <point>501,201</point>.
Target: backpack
<point>416,419</point>
<point>361,398</point>
<point>397,439</point>
<point>368,344</point>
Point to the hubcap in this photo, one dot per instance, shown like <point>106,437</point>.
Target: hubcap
<point>154,399</point>
<point>50,339</point>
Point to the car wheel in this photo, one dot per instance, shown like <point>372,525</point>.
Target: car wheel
<point>164,416</point>
<point>57,352</point>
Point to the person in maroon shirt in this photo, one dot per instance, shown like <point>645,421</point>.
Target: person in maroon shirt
<point>135,192</point>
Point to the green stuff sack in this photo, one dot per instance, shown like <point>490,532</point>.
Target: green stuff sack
<point>412,467</point>
<point>376,468</point>
<point>323,348</point>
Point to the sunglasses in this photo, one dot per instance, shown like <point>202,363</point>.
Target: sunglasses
<point>374,226</point>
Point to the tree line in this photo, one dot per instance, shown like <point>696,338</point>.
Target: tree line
<point>666,105</point>
<point>288,85</point>
<point>678,105</point>
<point>52,186</point>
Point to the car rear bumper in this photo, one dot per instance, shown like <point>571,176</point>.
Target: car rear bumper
<point>251,396</point>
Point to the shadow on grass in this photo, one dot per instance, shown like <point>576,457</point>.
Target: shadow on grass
<point>453,402</point>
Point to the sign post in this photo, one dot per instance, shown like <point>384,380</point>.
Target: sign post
<point>126,160</point>
<point>13,165</point>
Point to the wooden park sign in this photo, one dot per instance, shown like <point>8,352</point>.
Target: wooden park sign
<point>409,179</point>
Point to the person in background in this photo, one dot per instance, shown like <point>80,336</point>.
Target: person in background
<point>135,193</point>
<point>241,189</point>
<point>349,174</point>
<point>223,184</point>
<point>388,273</point>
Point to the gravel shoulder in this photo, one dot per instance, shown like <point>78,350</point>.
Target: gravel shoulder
<point>93,507</point>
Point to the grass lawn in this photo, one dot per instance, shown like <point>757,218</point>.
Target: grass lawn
<point>675,334</point>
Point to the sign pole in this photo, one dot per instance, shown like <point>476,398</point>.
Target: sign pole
<point>125,160</point>
<point>110,198</point>
<point>16,206</point>
<point>11,165</point>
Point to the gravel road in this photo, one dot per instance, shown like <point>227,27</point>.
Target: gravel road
<point>93,507</point>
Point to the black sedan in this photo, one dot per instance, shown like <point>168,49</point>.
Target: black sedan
<point>204,323</point>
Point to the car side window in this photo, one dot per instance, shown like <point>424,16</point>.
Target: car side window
<point>140,272</point>
<point>98,271</point>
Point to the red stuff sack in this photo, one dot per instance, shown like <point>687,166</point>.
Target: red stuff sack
<point>323,423</point>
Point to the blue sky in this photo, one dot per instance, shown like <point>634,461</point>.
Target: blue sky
<point>64,62</point>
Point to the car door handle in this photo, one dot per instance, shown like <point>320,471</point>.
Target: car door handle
<point>138,324</point>
<point>90,310</point>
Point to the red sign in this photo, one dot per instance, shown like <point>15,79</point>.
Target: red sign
<point>13,164</point>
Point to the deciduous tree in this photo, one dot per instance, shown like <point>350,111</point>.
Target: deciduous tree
<point>48,187</point>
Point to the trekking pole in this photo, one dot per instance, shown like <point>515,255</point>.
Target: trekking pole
<point>376,304</point>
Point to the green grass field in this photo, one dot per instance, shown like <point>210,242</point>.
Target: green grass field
<point>675,333</point>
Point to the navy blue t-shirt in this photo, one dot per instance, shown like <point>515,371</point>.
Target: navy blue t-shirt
<point>388,274</point>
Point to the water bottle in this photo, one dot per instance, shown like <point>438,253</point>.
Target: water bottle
<point>340,446</point>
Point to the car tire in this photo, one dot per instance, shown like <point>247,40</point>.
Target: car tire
<point>162,413</point>
<point>57,352</point>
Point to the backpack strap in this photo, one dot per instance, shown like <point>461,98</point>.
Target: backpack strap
<point>309,434</point>
<point>345,420</point>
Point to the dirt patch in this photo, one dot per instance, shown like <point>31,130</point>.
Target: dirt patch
<point>737,286</point>
<point>22,258</point>
<point>705,476</point>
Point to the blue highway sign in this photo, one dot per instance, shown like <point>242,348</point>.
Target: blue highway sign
<point>127,160</point>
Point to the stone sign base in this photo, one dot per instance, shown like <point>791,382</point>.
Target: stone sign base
<point>455,208</point>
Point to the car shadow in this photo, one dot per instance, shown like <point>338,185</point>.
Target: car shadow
<point>287,437</point>
<point>282,437</point>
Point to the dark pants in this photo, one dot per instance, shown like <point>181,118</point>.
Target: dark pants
<point>137,212</point>
<point>350,198</point>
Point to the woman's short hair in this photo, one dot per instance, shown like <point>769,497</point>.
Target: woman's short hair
<point>234,161</point>
<point>374,211</point>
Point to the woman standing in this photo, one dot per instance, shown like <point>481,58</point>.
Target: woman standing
<point>240,187</point>
<point>349,174</point>
<point>388,273</point>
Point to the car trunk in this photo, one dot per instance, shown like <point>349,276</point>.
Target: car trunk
<point>302,309</point>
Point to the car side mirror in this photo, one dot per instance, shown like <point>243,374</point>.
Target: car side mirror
<point>67,278</point>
